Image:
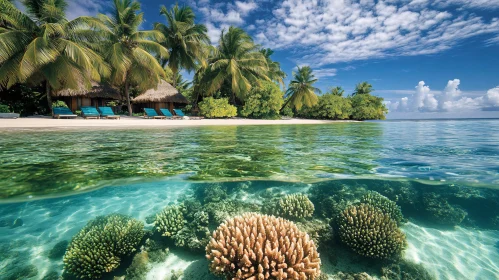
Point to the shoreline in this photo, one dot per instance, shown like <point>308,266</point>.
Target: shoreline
<point>139,122</point>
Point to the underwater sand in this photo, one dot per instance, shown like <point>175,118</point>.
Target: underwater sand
<point>450,254</point>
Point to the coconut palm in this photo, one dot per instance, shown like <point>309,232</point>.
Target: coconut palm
<point>275,73</point>
<point>363,88</point>
<point>184,39</point>
<point>339,91</point>
<point>42,46</point>
<point>301,90</point>
<point>237,62</point>
<point>131,52</point>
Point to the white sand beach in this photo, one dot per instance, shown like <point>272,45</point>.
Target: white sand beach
<point>138,122</point>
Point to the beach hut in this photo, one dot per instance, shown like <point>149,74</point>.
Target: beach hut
<point>164,96</point>
<point>98,95</point>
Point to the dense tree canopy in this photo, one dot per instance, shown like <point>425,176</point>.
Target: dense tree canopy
<point>363,88</point>
<point>301,89</point>
<point>43,46</point>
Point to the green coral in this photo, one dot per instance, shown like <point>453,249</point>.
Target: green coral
<point>439,211</point>
<point>195,235</point>
<point>384,204</point>
<point>293,206</point>
<point>226,209</point>
<point>370,232</point>
<point>99,246</point>
<point>169,221</point>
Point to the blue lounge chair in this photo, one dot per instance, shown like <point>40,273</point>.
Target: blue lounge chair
<point>181,114</point>
<point>107,112</point>
<point>62,112</point>
<point>167,113</point>
<point>150,113</point>
<point>90,113</point>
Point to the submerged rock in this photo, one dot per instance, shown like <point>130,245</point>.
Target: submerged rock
<point>438,210</point>
<point>51,275</point>
<point>57,252</point>
<point>405,270</point>
<point>17,223</point>
<point>21,272</point>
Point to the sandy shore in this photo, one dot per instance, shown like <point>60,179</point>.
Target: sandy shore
<point>138,122</point>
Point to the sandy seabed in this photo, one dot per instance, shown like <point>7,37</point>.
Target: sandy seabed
<point>139,122</point>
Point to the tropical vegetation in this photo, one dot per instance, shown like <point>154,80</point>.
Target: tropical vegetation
<point>41,52</point>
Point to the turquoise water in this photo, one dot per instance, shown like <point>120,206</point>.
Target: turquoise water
<point>442,174</point>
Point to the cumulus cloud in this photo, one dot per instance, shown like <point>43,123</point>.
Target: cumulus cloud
<point>449,100</point>
<point>325,72</point>
<point>331,31</point>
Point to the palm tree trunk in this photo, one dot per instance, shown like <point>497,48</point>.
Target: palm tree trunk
<point>175,73</point>
<point>49,96</point>
<point>285,104</point>
<point>127,94</point>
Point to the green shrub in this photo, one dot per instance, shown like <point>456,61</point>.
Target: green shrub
<point>263,102</point>
<point>287,112</point>
<point>59,103</point>
<point>4,108</point>
<point>217,108</point>
<point>332,107</point>
<point>368,107</point>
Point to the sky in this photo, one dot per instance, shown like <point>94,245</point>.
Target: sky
<point>426,58</point>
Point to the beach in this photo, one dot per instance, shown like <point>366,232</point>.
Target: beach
<point>139,122</point>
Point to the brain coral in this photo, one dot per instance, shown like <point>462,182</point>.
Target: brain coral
<point>370,232</point>
<point>169,221</point>
<point>254,246</point>
<point>99,246</point>
<point>293,206</point>
<point>384,204</point>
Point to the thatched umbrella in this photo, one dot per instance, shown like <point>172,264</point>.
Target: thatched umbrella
<point>98,90</point>
<point>164,93</point>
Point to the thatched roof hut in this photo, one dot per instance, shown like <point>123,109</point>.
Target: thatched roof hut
<point>164,93</point>
<point>98,90</point>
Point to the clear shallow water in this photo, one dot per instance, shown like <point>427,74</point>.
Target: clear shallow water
<point>40,163</point>
<point>443,175</point>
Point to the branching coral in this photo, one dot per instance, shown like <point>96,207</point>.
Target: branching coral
<point>99,246</point>
<point>254,246</point>
<point>169,221</point>
<point>370,232</point>
<point>294,206</point>
<point>384,204</point>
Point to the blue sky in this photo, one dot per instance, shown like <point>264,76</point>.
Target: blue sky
<point>427,58</point>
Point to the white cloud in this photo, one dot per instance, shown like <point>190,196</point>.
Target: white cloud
<point>449,100</point>
<point>246,7</point>
<point>331,31</point>
<point>325,72</point>
<point>76,8</point>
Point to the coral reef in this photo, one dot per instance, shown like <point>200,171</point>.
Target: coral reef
<point>226,209</point>
<point>320,231</point>
<point>210,193</point>
<point>405,270</point>
<point>384,204</point>
<point>99,246</point>
<point>139,267</point>
<point>438,210</point>
<point>292,206</point>
<point>254,246</point>
<point>352,276</point>
<point>58,250</point>
<point>169,221</point>
<point>155,250</point>
<point>370,232</point>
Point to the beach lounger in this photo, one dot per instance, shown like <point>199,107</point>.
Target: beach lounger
<point>150,113</point>
<point>181,114</point>
<point>62,112</point>
<point>107,112</point>
<point>167,113</point>
<point>90,112</point>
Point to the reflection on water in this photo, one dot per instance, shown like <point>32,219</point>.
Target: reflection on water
<point>53,162</point>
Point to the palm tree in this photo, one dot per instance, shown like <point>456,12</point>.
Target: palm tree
<point>339,91</point>
<point>363,88</point>
<point>130,52</point>
<point>42,46</point>
<point>185,40</point>
<point>301,90</point>
<point>237,62</point>
<point>275,73</point>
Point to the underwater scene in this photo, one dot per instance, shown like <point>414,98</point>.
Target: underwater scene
<point>374,200</point>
